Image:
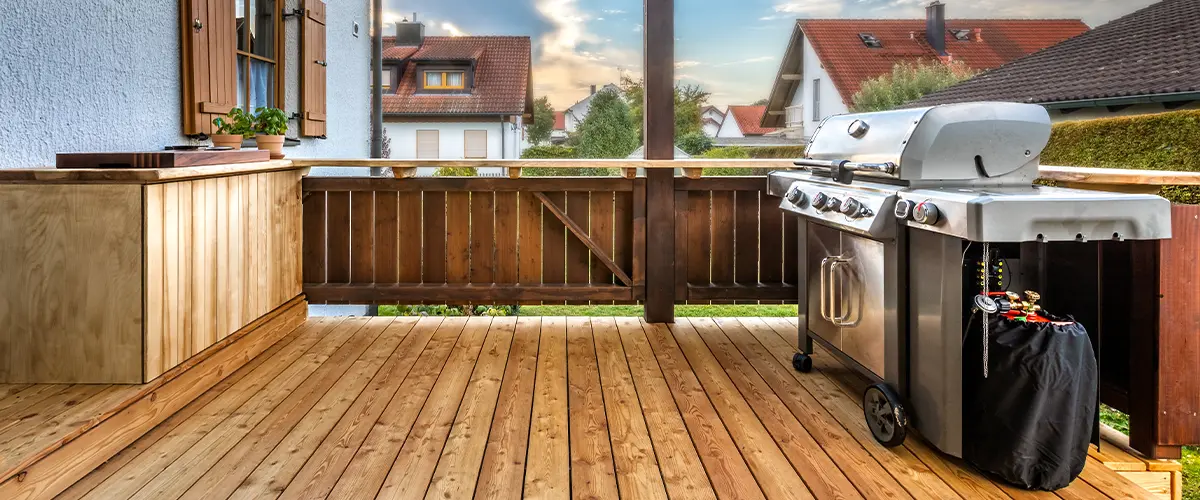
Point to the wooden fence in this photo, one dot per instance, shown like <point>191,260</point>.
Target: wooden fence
<point>578,240</point>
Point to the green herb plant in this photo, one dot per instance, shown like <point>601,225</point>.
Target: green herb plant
<point>270,121</point>
<point>239,123</point>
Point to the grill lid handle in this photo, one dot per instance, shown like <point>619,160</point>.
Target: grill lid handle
<point>842,171</point>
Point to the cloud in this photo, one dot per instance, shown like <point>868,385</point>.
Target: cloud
<point>810,8</point>
<point>686,64</point>
<point>453,30</point>
<point>751,60</point>
<point>613,12</point>
<point>570,59</point>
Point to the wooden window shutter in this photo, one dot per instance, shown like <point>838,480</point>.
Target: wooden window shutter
<point>312,70</point>
<point>475,142</point>
<point>428,145</point>
<point>209,62</point>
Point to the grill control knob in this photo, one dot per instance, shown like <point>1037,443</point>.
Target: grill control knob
<point>851,208</point>
<point>903,209</point>
<point>926,213</point>
<point>795,196</point>
<point>818,201</point>
<point>832,204</point>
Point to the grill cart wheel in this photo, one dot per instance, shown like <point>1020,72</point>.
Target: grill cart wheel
<point>802,362</point>
<point>885,415</point>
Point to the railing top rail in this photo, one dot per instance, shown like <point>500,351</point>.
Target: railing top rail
<point>1119,176</point>
<point>565,163</point>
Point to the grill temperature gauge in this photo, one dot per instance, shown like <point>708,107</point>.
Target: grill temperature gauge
<point>926,213</point>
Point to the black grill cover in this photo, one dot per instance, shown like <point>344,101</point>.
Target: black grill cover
<point>1030,422</point>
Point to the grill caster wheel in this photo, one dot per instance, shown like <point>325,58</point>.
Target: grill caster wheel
<point>802,362</point>
<point>885,415</point>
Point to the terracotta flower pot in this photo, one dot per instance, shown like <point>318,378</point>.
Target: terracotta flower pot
<point>227,140</point>
<point>272,143</point>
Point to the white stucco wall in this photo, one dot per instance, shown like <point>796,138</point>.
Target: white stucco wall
<point>730,127</point>
<point>78,75</point>
<point>831,100</point>
<point>711,129</point>
<point>504,140</point>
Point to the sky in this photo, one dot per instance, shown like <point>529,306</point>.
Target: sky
<point>730,48</point>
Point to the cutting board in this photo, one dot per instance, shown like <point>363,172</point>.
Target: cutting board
<point>159,159</point>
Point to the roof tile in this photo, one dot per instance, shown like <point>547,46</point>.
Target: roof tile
<point>1147,52</point>
<point>749,119</point>
<point>502,76</point>
<point>849,62</point>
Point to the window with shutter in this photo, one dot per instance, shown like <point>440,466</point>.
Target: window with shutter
<point>209,45</point>
<point>475,142</point>
<point>428,145</point>
<point>312,70</point>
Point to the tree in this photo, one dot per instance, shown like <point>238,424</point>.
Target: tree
<point>761,102</point>
<point>694,143</point>
<point>543,121</point>
<point>906,83</point>
<point>608,130</point>
<point>689,100</point>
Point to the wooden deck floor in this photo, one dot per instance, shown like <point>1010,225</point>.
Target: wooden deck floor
<point>538,407</point>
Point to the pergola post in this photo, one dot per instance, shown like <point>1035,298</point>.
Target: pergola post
<point>659,127</point>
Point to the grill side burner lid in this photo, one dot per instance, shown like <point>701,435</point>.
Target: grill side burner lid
<point>979,143</point>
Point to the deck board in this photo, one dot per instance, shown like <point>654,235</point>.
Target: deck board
<point>538,407</point>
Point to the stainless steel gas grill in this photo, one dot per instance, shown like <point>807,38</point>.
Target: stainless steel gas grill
<point>905,217</point>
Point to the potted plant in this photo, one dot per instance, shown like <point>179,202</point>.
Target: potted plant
<point>269,125</point>
<point>231,131</point>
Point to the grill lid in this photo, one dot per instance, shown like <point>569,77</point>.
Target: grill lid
<point>991,143</point>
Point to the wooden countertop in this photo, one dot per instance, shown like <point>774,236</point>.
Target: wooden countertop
<point>137,176</point>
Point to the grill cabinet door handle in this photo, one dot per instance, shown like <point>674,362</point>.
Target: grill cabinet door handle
<point>826,267</point>
<point>852,301</point>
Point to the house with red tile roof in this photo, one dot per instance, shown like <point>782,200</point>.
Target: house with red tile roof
<point>558,134</point>
<point>456,97</point>
<point>1141,63</point>
<point>744,121</point>
<point>827,60</point>
<point>711,119</point>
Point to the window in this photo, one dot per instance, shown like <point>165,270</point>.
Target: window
<point>444,80</point>
<point>816,105</point>
<point>388,78</point>
<point>428,145</point>
<point>475,144</point>
<point>870,40</point>
<point>961,35</point>
<point>257,43</point>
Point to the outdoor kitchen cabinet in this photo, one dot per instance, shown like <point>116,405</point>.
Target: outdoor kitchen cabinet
<point>117,276</point>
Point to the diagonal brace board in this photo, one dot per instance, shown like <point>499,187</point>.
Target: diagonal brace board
<point>587,240</point>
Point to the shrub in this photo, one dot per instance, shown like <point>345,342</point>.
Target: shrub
<point>550,152</point>
<point>1164,141</point>
<point>907,82</point>
<point>542,124</point>
<point>727,153</point>
<point>695,143</point>
<point>777,152</point>
<point>455,172</point>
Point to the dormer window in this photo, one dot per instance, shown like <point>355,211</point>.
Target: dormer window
<point>445,80</point>
<point>961,35</point>
<point>870,40</point>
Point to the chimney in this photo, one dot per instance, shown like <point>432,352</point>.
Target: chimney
<point>410,34</point>
<point>593,90</point>
<point>978,34</point>
<point>935,26</point>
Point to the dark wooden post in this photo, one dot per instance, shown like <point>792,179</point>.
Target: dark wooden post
<point>659,127</point>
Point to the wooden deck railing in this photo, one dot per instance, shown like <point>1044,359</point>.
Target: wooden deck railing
<point>537,240</point>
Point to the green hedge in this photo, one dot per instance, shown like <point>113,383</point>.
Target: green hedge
<point>1163,141</point>
<point>777,152</point>
<point>557,152</point>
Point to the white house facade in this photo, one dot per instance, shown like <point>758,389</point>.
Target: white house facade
<point>711,119</point>
<point>817,97</point>
<point>137,90</point>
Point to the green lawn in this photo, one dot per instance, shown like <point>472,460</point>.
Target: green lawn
<point>1191,456</point>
